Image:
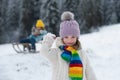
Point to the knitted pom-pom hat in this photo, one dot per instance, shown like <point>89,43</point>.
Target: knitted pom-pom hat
<point>69,26</point>
<point>40,24</point>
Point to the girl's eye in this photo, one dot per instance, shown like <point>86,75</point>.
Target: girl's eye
<point>73,36</point>
<point>66,37</point>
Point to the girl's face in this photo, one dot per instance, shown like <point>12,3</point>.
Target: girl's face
<point>69,40</point>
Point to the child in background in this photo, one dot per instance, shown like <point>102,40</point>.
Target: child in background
<point>37,34</point>
<point>65,52</point>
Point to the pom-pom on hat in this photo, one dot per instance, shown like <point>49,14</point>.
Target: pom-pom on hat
<point>69,26</point>
<point>40,24</point>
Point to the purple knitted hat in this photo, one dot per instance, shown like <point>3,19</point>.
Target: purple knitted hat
<point>69,26</point>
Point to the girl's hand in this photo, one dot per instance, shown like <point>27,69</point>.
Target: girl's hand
<point>52,35</point>
<point>48,39</point>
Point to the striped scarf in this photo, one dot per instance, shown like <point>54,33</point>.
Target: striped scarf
<point>75,65</point>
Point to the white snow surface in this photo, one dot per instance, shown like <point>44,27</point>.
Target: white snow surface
<point>102,49</point>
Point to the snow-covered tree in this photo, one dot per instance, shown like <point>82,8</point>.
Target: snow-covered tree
<point>52,18</point>
<point>117,9</point>
<point>0,19</point>
<point>90,14</point>
<point>108,13</point>
<point>12,20</point>
<point>3,10</point>
<point>27,17</point>
<point>73,6</point>
<point>113,15</point>
<point>18,16</point>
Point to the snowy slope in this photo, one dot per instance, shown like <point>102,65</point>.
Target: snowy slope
<point>15,66</point>
<point>102,49</point>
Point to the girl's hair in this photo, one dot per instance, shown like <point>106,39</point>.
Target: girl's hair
<point>77,45</point>
<point>42,28</point>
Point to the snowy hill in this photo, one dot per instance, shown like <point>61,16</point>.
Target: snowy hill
<point>102,49</point>
<point>14,66</point>
<point>104,52</point>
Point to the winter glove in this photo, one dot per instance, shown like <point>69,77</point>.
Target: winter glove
<point>52,35</point>
<point>48,40</point>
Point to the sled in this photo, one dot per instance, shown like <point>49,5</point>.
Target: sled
<point>22,48</point>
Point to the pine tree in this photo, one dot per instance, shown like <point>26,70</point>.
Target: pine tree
<point>90,14</point>
<point>117,9</point>
<point>52,18</point>
<point>27,16</point>
<point>10,17</point>
<point>3,10</point>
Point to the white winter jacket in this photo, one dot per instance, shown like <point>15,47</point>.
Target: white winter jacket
<point>59,66</point>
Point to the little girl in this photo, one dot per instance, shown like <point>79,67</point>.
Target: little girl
<point>67,59</point>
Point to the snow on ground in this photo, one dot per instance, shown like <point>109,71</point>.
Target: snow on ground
<point>14,66</point>
<point>102,49</point>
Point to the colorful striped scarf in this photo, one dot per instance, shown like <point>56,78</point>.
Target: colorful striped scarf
<point>75,65</point>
